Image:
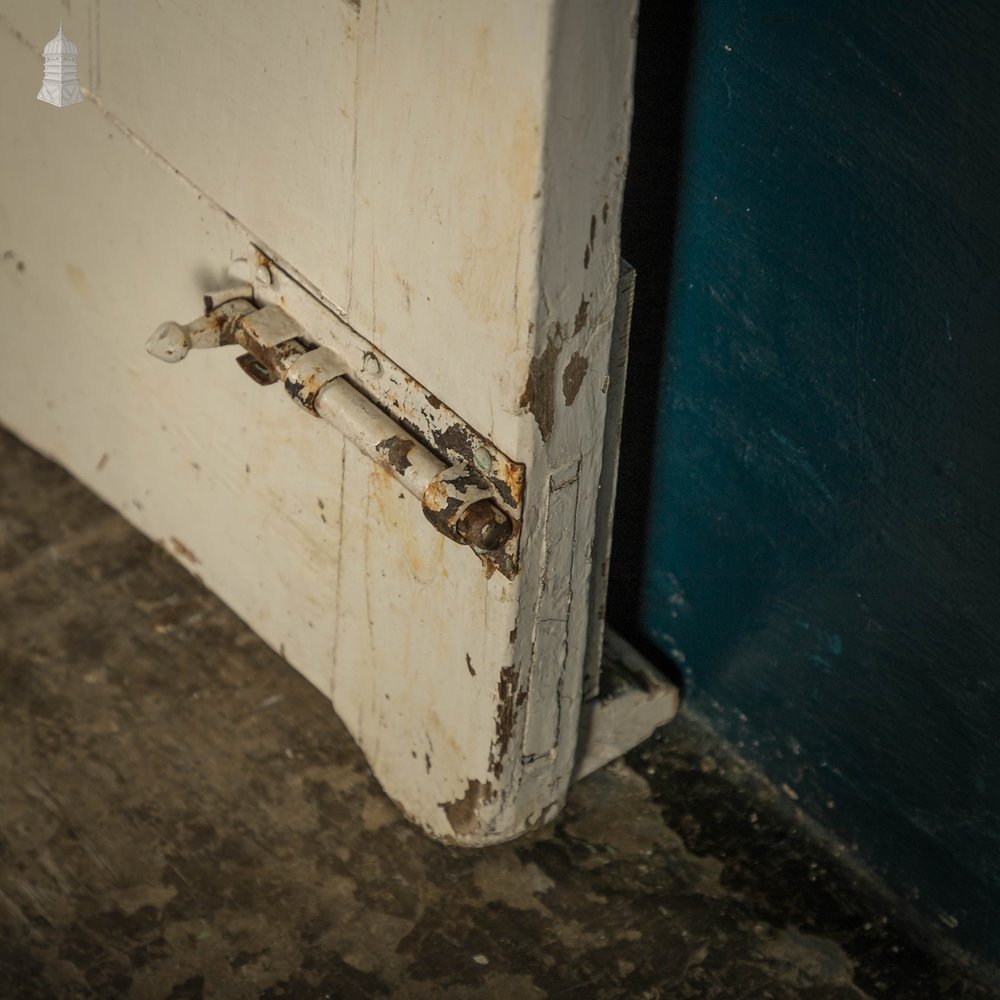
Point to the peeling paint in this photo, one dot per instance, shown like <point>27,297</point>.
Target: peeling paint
<point>573,375</point>
<point>510,698</point>
<point>539,394</point>
<point>539,390</point>
<point>396,451</point>
<point>463,813</point>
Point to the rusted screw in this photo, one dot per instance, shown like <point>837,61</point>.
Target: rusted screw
<point>484,526</point>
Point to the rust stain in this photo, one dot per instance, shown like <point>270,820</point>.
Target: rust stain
<point>416,553</point>
<point>573,377</point>
<point>511,699</point>
<point>435,496</point>
<point>512,483</point>
<point>181,550</point>
<point>460,443</point>
<point>581,315</point>
<point>468,663</point>
<point>396,451</point>
<point>79,283</point>
<point>463,813</point>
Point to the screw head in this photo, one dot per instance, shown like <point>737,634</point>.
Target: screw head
<point>483,459</point>
<point>370,364</point>
<point>264,275</point>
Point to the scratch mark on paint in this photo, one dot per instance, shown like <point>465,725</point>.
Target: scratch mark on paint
<point>797,457</point>
<point>180,549</point>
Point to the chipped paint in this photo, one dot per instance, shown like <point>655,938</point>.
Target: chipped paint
<point>510,697</point>
<point>180,549</point>
<point>463,813</point>
<point>539,390</point>
<point>573,375</point>
<point>539,395</point>
<point>396,451</point>
<point>458,506</point>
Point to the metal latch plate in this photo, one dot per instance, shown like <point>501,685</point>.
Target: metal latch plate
<point>397,393</point>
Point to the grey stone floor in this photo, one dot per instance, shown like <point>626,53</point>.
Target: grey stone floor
<point>181,815</point>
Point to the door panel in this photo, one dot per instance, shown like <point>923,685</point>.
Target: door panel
<point>255,108</point>
<point>472,235</point>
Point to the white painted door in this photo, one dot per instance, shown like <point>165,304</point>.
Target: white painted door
<point>434,188</point>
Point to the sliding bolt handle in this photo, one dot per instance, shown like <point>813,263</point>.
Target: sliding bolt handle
<point>455,498</point>
<point>171,341</point>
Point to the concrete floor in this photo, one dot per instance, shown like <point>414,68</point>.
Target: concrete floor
<point>183,816</point>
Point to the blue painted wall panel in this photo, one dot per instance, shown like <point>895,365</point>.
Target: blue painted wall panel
<point>824,532</point>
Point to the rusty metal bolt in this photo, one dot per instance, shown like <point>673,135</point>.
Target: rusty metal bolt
<point>484,526</point>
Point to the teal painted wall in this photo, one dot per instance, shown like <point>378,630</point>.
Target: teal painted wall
<point>822,532</point>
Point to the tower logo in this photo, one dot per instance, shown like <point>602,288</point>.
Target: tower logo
<point>60,85</point>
